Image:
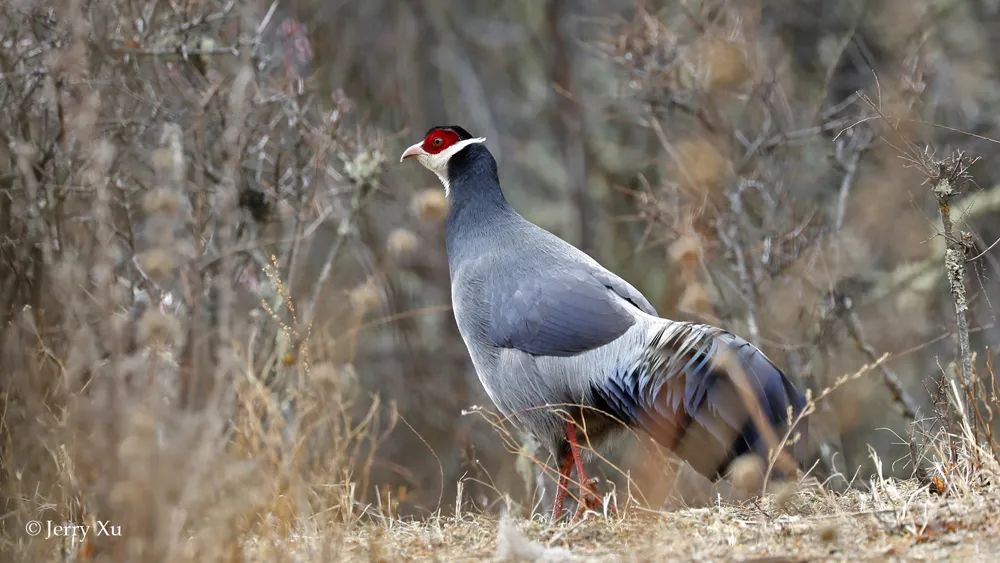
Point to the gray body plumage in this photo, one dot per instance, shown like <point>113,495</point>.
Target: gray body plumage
<point>547,326</point>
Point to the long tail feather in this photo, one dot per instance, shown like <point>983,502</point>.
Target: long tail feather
<point>708,394</point>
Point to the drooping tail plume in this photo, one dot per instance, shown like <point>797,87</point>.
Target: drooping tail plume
<point>706,394</point>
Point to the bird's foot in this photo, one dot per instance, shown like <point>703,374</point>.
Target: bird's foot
<point>591,500</point>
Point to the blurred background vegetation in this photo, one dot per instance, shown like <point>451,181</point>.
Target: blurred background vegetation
<point>218,284</point>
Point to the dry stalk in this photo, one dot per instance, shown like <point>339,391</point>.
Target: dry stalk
<point>810,408</point>
<point>946,179</point>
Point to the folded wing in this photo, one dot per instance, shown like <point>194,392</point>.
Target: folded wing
<point>563,312</point>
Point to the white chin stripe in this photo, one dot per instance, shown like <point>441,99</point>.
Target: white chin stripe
<point>438,163</point>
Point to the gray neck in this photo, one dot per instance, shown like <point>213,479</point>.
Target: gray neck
<point>477,209</point>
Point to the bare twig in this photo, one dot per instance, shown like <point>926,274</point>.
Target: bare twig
<point>892,381</point>
<point>848,154</point>
<point>346,226</point>
<point>983,253</point>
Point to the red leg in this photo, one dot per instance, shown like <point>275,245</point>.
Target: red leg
<point>588,497</point>
<point>574,452</point>
<point>561,488</point>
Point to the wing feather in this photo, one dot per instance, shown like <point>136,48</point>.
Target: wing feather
<point>563,312</point>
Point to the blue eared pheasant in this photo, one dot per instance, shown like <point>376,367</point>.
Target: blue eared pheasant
<point>561,344</point>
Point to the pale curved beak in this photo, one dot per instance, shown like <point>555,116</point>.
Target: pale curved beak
<point>414,150</point>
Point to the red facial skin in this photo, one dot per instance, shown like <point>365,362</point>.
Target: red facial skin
<point>438,140</point>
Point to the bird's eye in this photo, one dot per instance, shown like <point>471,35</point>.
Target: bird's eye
<point>437,142</point>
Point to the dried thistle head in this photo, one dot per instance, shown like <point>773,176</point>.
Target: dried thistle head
<point>163,201</point>
<point>724,64</point>
<point>157,264</point>
<point>430,205</point>
<point>686,250</point>
<point>365,297</point>
<point>158,329</point>
<point>696,300</point>
<point>747,473</point>
<point>701,165</point>
<point>401,242</point>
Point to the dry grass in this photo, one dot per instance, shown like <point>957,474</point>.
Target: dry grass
<point>897,520</point>
<point>159,193</point>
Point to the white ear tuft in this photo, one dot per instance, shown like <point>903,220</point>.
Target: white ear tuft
<point>438,163</point>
